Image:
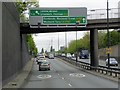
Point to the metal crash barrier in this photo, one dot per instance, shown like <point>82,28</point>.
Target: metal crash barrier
<point>100,69</point>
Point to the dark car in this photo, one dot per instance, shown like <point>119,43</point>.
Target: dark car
<point>84,54</point>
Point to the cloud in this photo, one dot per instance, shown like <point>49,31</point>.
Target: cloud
<point>90,4</point>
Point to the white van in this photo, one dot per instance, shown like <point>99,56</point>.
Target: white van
<point>51,56</point>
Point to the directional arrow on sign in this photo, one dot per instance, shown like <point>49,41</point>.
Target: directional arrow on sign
<point>84,20</point>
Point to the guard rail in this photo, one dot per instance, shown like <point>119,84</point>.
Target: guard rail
<point>100,69</point>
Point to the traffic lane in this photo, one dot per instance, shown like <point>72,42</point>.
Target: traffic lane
<point>89,81</point>
<point>61,77</point>
<point>101,62</point>
<point>44,79</point>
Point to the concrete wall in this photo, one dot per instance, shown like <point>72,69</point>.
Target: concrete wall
<point>14,53</point>
<point>0,46</point>
<point>115,52</point>
<point>25,53</point>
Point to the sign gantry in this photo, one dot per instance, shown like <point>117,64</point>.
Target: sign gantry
<point>58,16</point>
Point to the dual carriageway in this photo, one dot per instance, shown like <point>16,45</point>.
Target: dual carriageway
<point>65,75</point>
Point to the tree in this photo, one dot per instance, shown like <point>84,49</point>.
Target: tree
<point>86,41</point>
<point>83,43</point>
<point>72,47</point>
<point>22,7</point>
<point>114,38</point>
<point>46,51</point>
<point>31,45</point>
<point>101,37</point>
<point>42,50</point>
<point>51,49</point>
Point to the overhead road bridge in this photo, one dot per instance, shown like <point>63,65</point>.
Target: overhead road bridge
<point>95,21</point>
<point>100,24</point>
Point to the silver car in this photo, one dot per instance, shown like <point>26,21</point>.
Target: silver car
<point>69,55</point>
<point>113,62</point>
<point>40,58</point>
<point>44,65</point>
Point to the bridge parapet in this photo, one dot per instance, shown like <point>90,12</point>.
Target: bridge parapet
<point>100,21</point>
<point>102,13</point>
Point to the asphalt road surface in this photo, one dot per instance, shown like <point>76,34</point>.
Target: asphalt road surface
<point>64,75</point>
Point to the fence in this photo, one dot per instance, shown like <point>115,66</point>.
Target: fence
<point>102,13</point>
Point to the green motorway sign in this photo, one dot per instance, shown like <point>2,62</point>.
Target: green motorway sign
<point>48,12</point>
<point>64,20</point>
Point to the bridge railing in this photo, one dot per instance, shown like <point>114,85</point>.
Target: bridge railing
<point>102,13</point>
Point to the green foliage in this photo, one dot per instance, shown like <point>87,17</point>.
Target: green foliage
<point>101,39</point>
<point>24,6</point>
<point>65,50</point>
<point>72,46</point>
<point>114,38</point>
<point>31,44</point>
<point>84,43</point>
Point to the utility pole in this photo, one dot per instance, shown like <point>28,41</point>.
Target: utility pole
<point>108,38</point>
<point>76,47</point>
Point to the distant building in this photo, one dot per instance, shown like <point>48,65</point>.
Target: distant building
<point>62,48</point>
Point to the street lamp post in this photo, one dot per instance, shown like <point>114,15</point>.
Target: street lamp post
<point>66,42</point>
<point>76,48</point>
<point>77,23</point>
<point>108,54</point>
<point>58,43</point>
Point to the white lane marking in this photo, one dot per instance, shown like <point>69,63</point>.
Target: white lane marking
<point>58,74</point>
<point>70,85</point>
<point>44,76</point>
<point>63,78</point>
<point>77,75</point>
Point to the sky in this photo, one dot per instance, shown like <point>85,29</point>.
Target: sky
<point>45,40</point>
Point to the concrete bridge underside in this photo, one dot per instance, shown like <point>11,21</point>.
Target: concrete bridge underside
<point>99,24</point>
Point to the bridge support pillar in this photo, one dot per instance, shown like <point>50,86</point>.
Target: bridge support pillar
<point>94,47</point>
